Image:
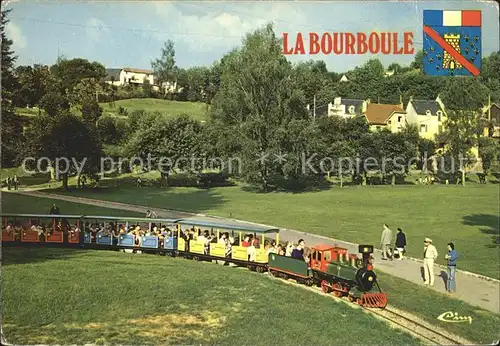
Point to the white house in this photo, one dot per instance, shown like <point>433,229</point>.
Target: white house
<point>428,115</point>
<point>344,79</point>
<point>346,108</point>
<point>137,77</point>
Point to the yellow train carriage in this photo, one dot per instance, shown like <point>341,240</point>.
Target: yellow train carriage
<point>237,231</point>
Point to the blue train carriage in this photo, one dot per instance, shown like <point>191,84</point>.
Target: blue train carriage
<point>193,240</point>
<point>41,228</point>
<point>133,233</point>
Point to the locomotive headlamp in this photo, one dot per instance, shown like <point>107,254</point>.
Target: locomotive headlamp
<point>370,278</point>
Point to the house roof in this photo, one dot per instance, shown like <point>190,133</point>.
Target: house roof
<point>422,106</point>
<point>112,73</point>
<point>358,105</point>
<point>379,114</point>
<point>137,70</point>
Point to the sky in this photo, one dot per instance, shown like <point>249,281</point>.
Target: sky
<point>131,33</point>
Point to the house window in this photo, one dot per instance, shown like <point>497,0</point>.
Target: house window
<point>439,114</point>
<point>327,256</point>
<point>423,128</point>
<point>389,122</point>
<point>399,118</point>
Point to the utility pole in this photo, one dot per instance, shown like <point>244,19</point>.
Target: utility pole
<point>489,107</point>
<point>97,96</point>
<point>314,108</point>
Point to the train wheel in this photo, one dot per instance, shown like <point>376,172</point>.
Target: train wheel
<point>359,301</point>
<point>260,269</point>
<point>309,282</point>
<point>336,290</point>
<point>324,286</point>
<point>273,273</point>
<point>196,258</point>
<point>351,298</point>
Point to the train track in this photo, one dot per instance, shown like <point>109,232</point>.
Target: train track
<point>422,330</point>
<point>413,325</point>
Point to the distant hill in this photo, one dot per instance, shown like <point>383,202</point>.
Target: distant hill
<point>197,110</point>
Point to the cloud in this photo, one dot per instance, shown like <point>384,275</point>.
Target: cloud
<point>15,33</point>
<point>212,29</point>
<point>96,29</point>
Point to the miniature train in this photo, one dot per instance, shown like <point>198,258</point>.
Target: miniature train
<point>329,267</point>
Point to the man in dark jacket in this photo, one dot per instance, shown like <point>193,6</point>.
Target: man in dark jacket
<point>54,210</point>
<point>400,243</point>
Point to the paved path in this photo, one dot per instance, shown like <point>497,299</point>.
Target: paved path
<point>474,290</point>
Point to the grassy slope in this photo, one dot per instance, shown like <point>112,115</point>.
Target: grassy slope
<point>113,297</point>
<point>195,109</point>
<point>467,216</point>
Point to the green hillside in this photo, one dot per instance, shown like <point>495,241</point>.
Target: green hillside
<point>196,110</point>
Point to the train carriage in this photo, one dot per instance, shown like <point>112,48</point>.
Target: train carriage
<point>329,267</point>
<point>251,256</point>
<point>36,228</point>
<point>116,232</point>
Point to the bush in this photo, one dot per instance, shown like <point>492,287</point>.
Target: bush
<point>208,180</point>
<point>183,180</point>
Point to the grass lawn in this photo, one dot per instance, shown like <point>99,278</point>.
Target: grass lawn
<point>428,305</point>
<point>56,296</point>
<point>197,110</point>
<point>18,204</point>
<point>468,215</point>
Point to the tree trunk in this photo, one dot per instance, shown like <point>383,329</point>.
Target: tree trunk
<point>65,181</point>
<point>363,181</point>
<point>341,181</point>
<point>79,180</point>
<point>393,180</point>
<point>463,177</point>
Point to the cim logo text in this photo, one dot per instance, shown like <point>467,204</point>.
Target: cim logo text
<point>449,316</point>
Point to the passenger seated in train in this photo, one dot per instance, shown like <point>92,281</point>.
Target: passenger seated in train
<point>246,241</point>
<point>298,252</point>
<point>121,229</point>
<point>280,250</point>
<point>271,248</point>
<point>228,241</point>
<point>289,249</point>
<point>307,254</point>
<point>256,243</point>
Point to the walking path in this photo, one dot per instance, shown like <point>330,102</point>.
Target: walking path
<point>472,288</point>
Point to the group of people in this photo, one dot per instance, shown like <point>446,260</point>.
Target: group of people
<point>12,183</point>
<point>430,255</point>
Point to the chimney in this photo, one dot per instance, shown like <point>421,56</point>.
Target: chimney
<point>401,101</point>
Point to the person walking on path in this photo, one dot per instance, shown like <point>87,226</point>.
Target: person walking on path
<point>16,182</point>
<point>8,183</point>
<point>400,243</point>
<point>150,214</point>
<point>386,241</point>
<point>54,210</point>
<point>430,254</point>
<point>452,257</point>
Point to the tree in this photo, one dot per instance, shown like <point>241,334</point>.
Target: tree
<point>256,100</point>
<point>33,84</point>
<point>418,62</point>
<point>65,136</point>
<point>54,102</point>
<point>71,72</point>
<point>164,68</point>
<point>154,137</point>
<point>488,151</point>
<point>11,128</point>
